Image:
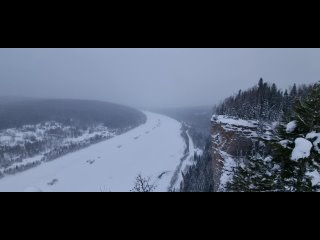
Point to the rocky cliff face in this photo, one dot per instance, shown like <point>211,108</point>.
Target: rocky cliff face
<point>232,139</point>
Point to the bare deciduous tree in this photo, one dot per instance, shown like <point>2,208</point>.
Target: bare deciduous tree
<point>143,185</point>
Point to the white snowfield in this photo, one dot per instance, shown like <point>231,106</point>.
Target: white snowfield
<point>153,149</point>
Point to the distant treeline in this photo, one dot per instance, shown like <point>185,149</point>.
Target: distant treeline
<point>264,102</point>
<point>16,113</point>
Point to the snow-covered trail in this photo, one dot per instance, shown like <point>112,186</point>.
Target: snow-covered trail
<point>150,149</point>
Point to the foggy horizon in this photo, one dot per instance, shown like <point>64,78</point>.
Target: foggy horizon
<point>151,78</point>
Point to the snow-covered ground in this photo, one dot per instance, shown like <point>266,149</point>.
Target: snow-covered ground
<point>30,145</point>
<point>13,137</point>
<point>227,120</point>
<point>153,149</point>
<point>227,172</point>
<point>247,128</point>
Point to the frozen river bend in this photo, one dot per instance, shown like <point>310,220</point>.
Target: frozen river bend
<point>153,149</point>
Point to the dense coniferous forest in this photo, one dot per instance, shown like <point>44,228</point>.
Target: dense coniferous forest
<point>265,102</point>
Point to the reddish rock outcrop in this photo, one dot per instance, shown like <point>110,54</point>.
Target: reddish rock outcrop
<point>232,137</point>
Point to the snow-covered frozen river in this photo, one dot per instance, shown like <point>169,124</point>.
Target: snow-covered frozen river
<point>150,149</point>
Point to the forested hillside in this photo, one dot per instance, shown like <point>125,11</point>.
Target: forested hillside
<point>33,131</point>
<point>19,112</point>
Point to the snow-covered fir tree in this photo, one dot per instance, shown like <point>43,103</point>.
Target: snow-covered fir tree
<point>254,175</point>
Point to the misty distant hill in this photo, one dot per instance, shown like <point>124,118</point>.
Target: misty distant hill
<point>198,117</point>
<point>197,120</point>
<point>16,112</point>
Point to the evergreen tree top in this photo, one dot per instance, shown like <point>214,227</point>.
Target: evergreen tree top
<point>262,102</point>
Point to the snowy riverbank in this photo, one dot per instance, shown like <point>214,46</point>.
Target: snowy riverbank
<point>153,149</point>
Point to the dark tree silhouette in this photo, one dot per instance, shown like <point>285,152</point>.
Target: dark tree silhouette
<point>143,185</point>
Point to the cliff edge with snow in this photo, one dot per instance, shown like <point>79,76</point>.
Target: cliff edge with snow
<point>232,139</point>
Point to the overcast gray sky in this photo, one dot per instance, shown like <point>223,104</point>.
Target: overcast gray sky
<point>151,77</point>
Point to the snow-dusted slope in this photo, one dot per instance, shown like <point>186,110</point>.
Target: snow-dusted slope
<point>186,164</point>
<point>153,149</point>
